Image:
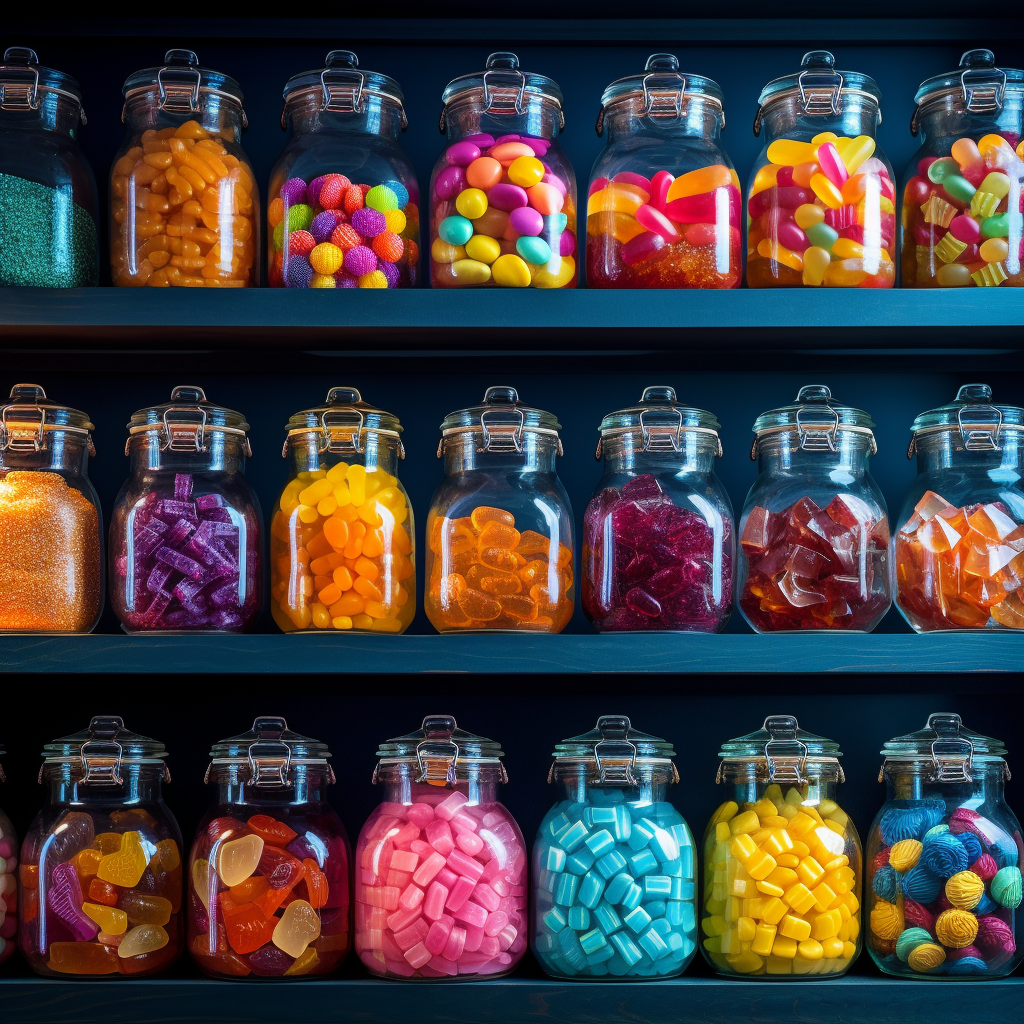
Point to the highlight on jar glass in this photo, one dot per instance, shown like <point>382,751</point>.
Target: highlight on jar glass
<point>614,863</point>
<point>342,536</point>
<point>663,209</point>
<point>499,531</point>
<point>268,872</point>
<point>821,205</point>
<point>50,236</point>
<point>344,203</point>
<point>503,194</point>
<point>184,206</point>
<point>962,219</point>
<point>959,552</point>
<point>814,533</point>
<point>51,546</point>
<point>100,876</point>
<point>8,881</point>
<point>186,533</point>
<point>658,534</point>
<point>943,858</point>
<point>782,860</point>
<point>440,864</point>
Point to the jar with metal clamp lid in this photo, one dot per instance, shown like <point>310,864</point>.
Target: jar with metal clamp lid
<point>342,536</point>
<point>440,864</point>
<point>959,553</point>
<point>499,530</point>
<point>962,219</point>
<point>49,230</point>
<point>821,204</point>
<point>782,860</point>
<point>268,886</point>
<point>503,193</point>
<point>814,533</point>
<point>186,532</point>
<point>943,854</point>
<point>614,863</point>
<point>51,532</point>
<point>184,205</point>
<point>8,881</point>
<point>100,877</point>
<point>344,203</point>
<point>658,534</point>
<point>663,210</point>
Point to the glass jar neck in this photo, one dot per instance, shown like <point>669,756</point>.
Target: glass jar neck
<point>306,114</point>
<point>781,453</point>
<point>537,455</point>
<point>67,453</point>
<point>140,784</point>
<point>400,787</point>
<point>581,787</point>
<point>223,454</point>
<point>379,452</point>
<point>747,781</point>
<point>219,115</point>
<point>466,115</point>
<point>787,118</point>
<point>916,781</point>
<point>624,453</point>
<point>944,449</point>
<point>234,786</point>
<point>945,114</point>
<point>53,113</point>
<point>697,117</point>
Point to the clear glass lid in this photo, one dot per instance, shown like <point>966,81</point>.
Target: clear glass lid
<point>660,420</point>
<point>102,748</point>
<point>28,416</point>
<point>661,84</point>
<point>780,738</point>
<point>25,83</point>
<point>343,420</point>
<point>613,750</point>
<point>973,413</point>
<point>501,420</point>
<point>440,751</point>
<point>505,87</point>
<point>269,750</point>
<point>343,86</point>
<point>977,84</point>
<point>816,418</point>
<point>184,86</point>
<point>944,731</point>
<point>183,422</point>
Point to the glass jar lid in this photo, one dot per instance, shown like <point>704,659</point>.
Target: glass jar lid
<point>944,744</point>
<point>612,751</point>
<point>342,422</point>
<point>101,749</point>
<point>23,79</point>
<point>781,749</point>
<point>183,85</point>
<point>269,750</point>
<point>183,423</point>
<point>342,87</point>
<point>661,88</point>
<point>504,86</point>
<point>820,87</point>
<point>660,422</point>
<point>441,752</point>
<point>977,85</point>
<point>28,416</point>
<point>973,415</point>
<point>500,421</point>
<point>815,419</point>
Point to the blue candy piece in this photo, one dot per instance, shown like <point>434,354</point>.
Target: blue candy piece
<point>899,823</point>
<point>557,825</point>
<point>591,889</point>
<point>456,229</point>
<point>657,908</point>
<point>554,920</point>
<point>637,920</point>
<point>673,867</point>
<point>618,887</point>
<point>580,862</point>
<point>936,830</point>
<point>607,918</point>
<point>972,844</point>
<point>685,859</point>
<point>661,926</point>
<point>573,836</point>
<point>611,864</point>
<point>566,888</point>
<point>605,797</point>
<point>599,816</point>
<point>555,860</point>
<point>934,812</point>
<point>633,897</point>
<point>920,885</point>
<point>571,949</point>
<point>626,949</point>
<point>640,836</point>
<point>532,249</point>
<point>600,843</point>
<point>663,845</point>
<point>656,886</point>
<point>985,906</point>
<point>623,824</point>
<point>653,944</point>
<point>596,962</point>
<point>944,855</point>
<point>642,862</point>
<point>617,966</point>
<point>885,883</point>
<point>967,965</point>
<point>578,918</point>
<point>593,941</point>
<point>401,193</point>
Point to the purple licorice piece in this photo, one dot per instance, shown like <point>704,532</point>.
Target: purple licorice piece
<point>269,962</point>
<point>171,511</point>
<point>207,548</point>
<point>217,515</point>
<point>224,619</point>
<point>147,540</point>
<point>185,565</point>
<point>209,501</point>
<point>157,579</point>
<point>64,898</point>
<point>187,591</point>
<point>182,486</point>
<point>151,616</point>
<point>179,533</point>
<point>225,595</point>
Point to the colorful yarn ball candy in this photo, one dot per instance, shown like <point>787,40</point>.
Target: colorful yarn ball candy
<point>956,928</point>
<point>501,216</point>
<point>885,883</point>
<point>962,217</point>
<point>1006,887</point>
<point>909,940</point>
<point>944,855</point>
<point>965,890</point>
<point>333,233</point>
<point>822,213</point>
<point>664,231</point>
<point>926,957</point>
<point>905,854</point>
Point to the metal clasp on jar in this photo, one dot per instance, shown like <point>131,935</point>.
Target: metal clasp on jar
<point>270,758</point>
<point>101,754</point>
<point>979,428</point>
<point>22,426</point>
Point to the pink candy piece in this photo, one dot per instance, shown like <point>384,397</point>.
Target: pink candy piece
<point>487,897</point>
<point>420,814</point>
<point>428,869</point>
<point>660,184</point>
<point>566,243</point>
<point>469,843</point>
<point>437,936</point>
<point>462,154</point>
<point>439,835</point>
<point>791,236</point>
<point>832,165</point>
<point>460,892</point>
<point>495,923</point>
<point>464,865</point>
<point>653,219</point>
<point>401,919</point>
<point>456,943</point>
<point>474,937</point>
<point>446,877</point>
<point>450,181</point>
<point>506,138</point>
<point>641,248</point>
<point>629,178</point>
<point>464,823</point>
<point>550,178</point>
<point>450,806</point>
<point>472,913</point>
<point>411,898</point>
<point>481,139</point>
<point>601,183</point>
<point>965,228</point>
<point>526,221</point>
<point>418,955</point>
<point>504,196</point>
<point>433,904</point>
<point>404,860</point>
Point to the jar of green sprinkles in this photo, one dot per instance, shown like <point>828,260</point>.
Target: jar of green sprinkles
<point>48,203</point>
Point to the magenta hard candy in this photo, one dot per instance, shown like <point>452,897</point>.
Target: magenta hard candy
<point>360,260</point>
<point>791,236</point>
<point>660,184</point>
<point>629,178</point>
<point>507,197</point>
<point>481,139</point>
<point>597,185</point>
<point>450,182</point>
<point>642,247</point>
<point>654,220</point>
<point>462,154</point>
<point>293,192</point>
<point>566,244</point>
<point>506,138</point>
<point>965,228</point>
<point>64,898</point>
<point>526,221</point>
<point>784,177</point>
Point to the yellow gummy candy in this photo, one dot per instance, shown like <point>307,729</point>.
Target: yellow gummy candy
<point>826,191</point>
<point>789,152</point>
<point>125,867</point>
<point>110,919</point>
<point>297,928</point>
<point>238,859</point>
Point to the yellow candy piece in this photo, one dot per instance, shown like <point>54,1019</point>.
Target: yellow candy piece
<point>201,879</point>
<point>484,249</point>
<point>144,938</point>
<point>774,911</point>
<point>816,263</point>
<point>989,276</point>
<point>510,271</point>
<point>745,929</point>
<point>854,152</point>
<point>442,252</point>
<point>887,920</point>
<point>326,258</point>
<point>125,867</point>
<point>926,957</point>
<point>822,137</point>
<point>728,810</point>
<point>994,250</point>
<point>764,939</point>
<point>964,890</point>
<point>745,823</point>
<point>322,281</point>
<point>799,897</point>
<point>995,183</point>
<point>469,271</point>
<point>794,927</point>
<point>807,215</point>
<point>826,191</point>
<point>471,203</point>
<point>956,928</point>
<point>525,171</point>
<point>238,859</point>
<point>773,251</point>
<point>110,919</point>
<point>991,143</point>
<point>309,961</point>
<point>297,928</point>
<point>615,198</point>
<point>556,273</point>
<point>832,947</point>
<point>789,152</point>
<point>905,854</point>
<point>764,179</point>
<point>784,947</point>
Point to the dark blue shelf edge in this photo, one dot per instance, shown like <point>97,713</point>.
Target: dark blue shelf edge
<point>693,653</point>
<point>851,1000</point>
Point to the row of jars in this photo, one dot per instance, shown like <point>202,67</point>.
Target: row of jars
<point>663,210</point>
<point>659,548</point>
<point>439,879</point>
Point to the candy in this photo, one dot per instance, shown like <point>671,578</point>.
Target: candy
<point>50,565</point>
<point>125,867</point>
<point>650,564</point>
<point>1005,887</point>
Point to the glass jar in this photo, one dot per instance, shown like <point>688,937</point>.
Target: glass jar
<point>962,219</point>
<point>186,533</point>
<point>49,210</point>
<point>821,205</point>
<point>100,879</point>
<point>51,546</point>
<point>342,536</point>
<point>8,882</point>
<point>782,860</point>
<point>614,863</point>
<point>184,206</point>
<point>663,210</point>
<point>658,536</point>
<point>943,856</point>
<point>503,194</point>
<point>814,533</point>
<point>441,864</point>
<point>960,545</point>
<point>344,203</point>
<point>499,530</point>
<point>268,873</point>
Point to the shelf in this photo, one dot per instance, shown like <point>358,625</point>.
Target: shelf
<point>517,654</point>
<point>852,1000</point>
<point>839,320</point>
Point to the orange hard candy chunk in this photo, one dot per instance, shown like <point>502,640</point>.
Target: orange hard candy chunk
<point>485,514</point>
<point>316,883</point>
<point>478,605</point>
<point>247,927</point>
<point>270,830</point>
<point>103,892</point>
<point>82,958</point>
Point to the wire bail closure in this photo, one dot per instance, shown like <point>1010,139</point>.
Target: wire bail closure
<point>101,754</point>
<point>270,759</point>
<point>617,748</point>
